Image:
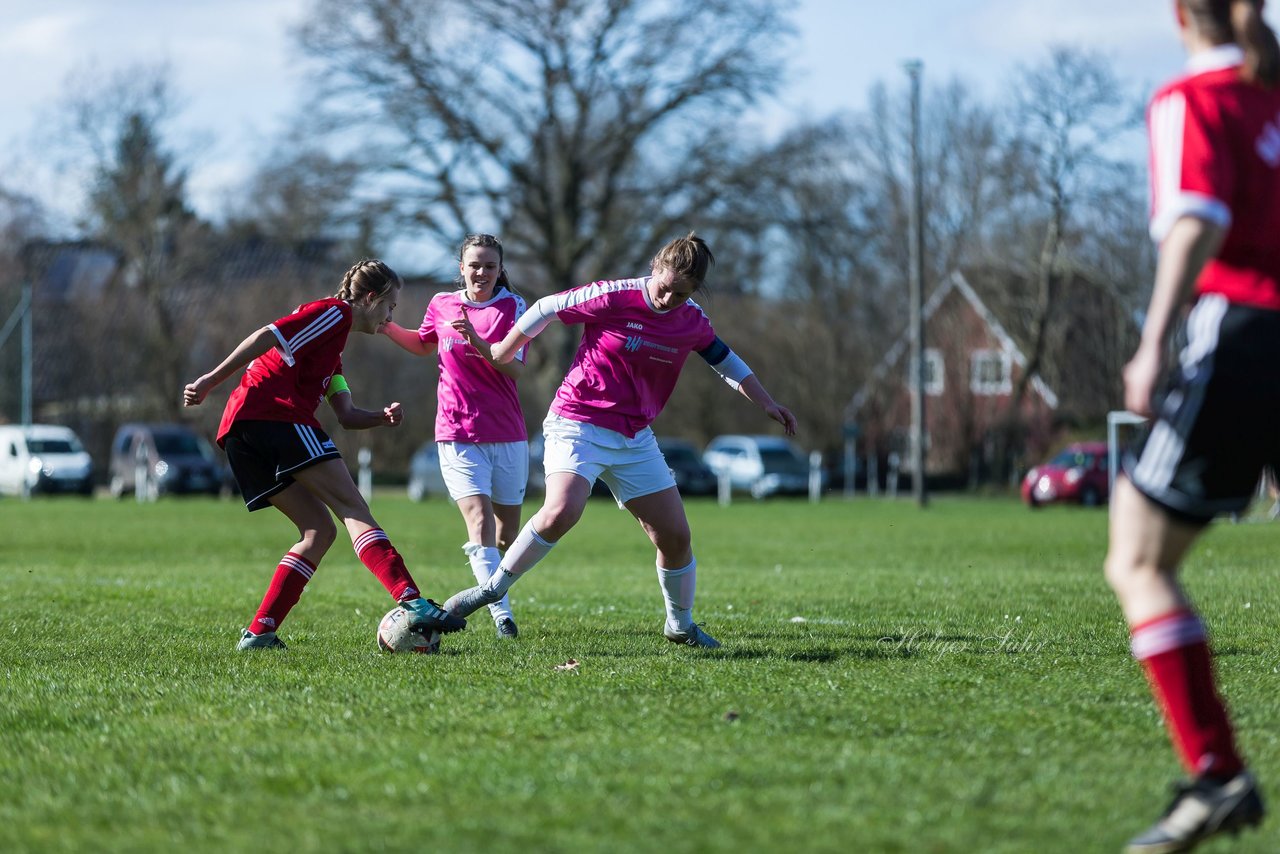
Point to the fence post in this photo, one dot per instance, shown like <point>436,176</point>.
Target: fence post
<point>815,477</point>
<point>365,458</point>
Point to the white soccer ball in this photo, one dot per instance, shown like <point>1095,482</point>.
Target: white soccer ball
<point>394,635</point>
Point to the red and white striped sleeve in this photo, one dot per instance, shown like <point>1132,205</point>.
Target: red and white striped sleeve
<point>1190,168</point>
<point>312,322</point>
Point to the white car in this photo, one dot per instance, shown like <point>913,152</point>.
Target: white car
<point>43,458</point>
<point>761,465</point>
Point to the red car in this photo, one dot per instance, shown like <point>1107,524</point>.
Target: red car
<point>1078,475</point>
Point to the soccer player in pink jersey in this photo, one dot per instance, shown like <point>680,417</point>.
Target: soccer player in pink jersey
<point>1215,170</point>
<point>281,457</point>
<point>637,334</point>
<point>484,448</point>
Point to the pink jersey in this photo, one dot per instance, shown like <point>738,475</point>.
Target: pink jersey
<point>1215,155</point>
<point>477,403</point>
<point>287,382</point>
<point>631,353</point>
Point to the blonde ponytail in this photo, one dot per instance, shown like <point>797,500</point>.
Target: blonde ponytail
<point>368,276</point>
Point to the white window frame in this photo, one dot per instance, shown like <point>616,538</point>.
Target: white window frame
<point>935,381</point>
<point>978,359</point>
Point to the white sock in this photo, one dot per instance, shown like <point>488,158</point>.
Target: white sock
<point>484,563</point>
<point>522,555</point>
<point>677,594</point>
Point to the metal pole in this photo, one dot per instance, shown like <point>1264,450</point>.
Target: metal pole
<point>27,354</point>
<point>918,489</point>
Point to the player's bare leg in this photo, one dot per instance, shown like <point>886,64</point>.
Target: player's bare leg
<point>1147,546</point>
<point>661,515</point>
<point>566,499</point>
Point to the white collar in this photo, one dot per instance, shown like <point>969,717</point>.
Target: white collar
<point>462,297</point>
<point>1215,58</point>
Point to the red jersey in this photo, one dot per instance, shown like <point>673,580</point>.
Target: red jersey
<point>287,382</point>
<point>1215,155</point>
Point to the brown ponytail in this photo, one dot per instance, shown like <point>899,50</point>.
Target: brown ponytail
<point>368,276</point>
<point>688,257</point>
<point>1261,52</point>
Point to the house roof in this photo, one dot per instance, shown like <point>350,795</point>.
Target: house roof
<point>69,270</point>
<point>955,282</point>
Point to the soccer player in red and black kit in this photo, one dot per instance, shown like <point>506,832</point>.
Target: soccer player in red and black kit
<point>280,455</point>
<point>1215,178</point>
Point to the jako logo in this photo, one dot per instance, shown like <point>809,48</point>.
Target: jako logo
<point>634,343</point>
<point>631,324</point>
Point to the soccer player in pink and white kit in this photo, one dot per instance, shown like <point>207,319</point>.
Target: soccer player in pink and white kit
<point>637,334</point>
<point>1215,180</point>
<point>281,456</point>
<point>484,448</point>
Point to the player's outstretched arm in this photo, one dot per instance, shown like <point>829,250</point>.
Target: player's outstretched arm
<point>244,353</point>
<point>505,350</point>
<point>352,417</point>
<point>407,339</point>
<point>754,391</point>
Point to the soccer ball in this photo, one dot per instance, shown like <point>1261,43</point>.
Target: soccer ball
<point>394,635</point>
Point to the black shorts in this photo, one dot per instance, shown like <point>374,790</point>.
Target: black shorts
<point>1214,433</point>
<point>264,455</point>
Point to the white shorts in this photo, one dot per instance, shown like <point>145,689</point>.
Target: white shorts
<point>499,470</point>
<point>630,468</point>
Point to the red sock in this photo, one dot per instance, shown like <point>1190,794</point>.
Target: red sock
<point>376,552</point>
<point>291,576</point>
<point>1175,654</point>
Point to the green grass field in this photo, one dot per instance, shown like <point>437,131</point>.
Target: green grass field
<point>954,680</point>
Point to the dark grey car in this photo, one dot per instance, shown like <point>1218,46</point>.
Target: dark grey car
<point>172,459</point>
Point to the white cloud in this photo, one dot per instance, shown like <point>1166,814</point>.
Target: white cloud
<point>39,37</point>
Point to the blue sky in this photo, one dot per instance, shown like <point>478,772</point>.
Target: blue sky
<point>239,75</point>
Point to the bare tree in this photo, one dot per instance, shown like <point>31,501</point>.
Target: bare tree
<point>586,131</point>
<point>1071,111</point>
<point>137,205</point>
<point>303,192</point>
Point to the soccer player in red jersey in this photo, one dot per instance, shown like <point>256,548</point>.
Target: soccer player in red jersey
<point>281,457</point>
<point>1215,178</point>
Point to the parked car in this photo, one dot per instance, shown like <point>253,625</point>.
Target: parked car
<point>1077,474</point>
<point>424,473</point>
<point>43,458</point>
<point>176,459</point>
<point>538,472</point>
<point>761,465</point>
<point>693,476</point>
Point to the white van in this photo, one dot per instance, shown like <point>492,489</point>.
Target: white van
<point>43,458</point>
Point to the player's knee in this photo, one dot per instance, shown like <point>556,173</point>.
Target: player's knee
<point>1124,571</point>
<point>554,522</point>
<point>672,541</point>
<point>321,535</point>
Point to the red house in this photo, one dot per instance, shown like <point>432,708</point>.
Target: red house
<point>971,366</point>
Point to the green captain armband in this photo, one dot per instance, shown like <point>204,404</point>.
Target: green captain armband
<point>337,385</point>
